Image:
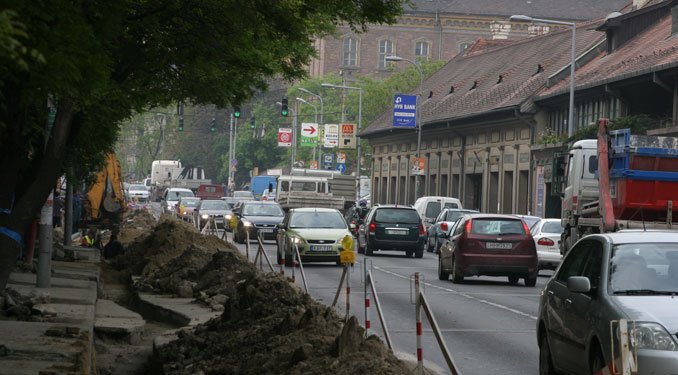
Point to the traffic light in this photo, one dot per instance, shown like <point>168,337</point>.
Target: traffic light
<point>213,123</point>
<point>284,111</point>
<point>181,123</point>
<point>253,124</point>
<point>236,111</point>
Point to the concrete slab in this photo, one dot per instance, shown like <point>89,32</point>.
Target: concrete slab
<point>66,313</point>
<point>29,279</point>
<point>67,295</point>
<point>83,254</point>
<point>50,347</point>
<point>116,321</point>
<point>180,311</point>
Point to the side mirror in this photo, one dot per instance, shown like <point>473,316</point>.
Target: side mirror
<point>578,284</point>
<point>280,226</point>
<point>444,227</point>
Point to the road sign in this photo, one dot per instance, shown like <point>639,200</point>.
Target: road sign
<point>341,168</point>
<point>347,136</point>
<point>341,158</point>
<point>285,137</point>
<point>327,161</point>
<point>313,164</point>
<point>418,166</point>
<point>309,134</point>
<point>331,136</point>
<point>234,162</point>
<point>404,111</point>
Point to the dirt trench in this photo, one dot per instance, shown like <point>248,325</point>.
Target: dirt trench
<point>268,325</point>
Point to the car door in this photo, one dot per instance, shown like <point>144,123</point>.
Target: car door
<point>281,236</point>
<point>558,311</point>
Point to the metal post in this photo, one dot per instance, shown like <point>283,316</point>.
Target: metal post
<point>68,214</point>
<point>570,117</point>
<point>341,282</point>
<point>301,267</point>
<point>358,162</point>
<point>231,144</point>
<point>380,314</point>
<point>247,243</point>
<point>368,324</point>
<point>43,277</point>
<point>294,135</point>
<point>420,351</point>
<point>348,291</point>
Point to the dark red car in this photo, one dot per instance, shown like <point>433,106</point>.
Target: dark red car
<point>489,244</point>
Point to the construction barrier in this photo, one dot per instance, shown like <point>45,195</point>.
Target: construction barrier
<point>627,361</point>
<point>261,254</point>
<point>296,259</point>
<point>370,287</point>
<point>421,302</point>
<point>347,258</point>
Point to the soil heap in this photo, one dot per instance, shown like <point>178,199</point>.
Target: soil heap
<point>268,326</point>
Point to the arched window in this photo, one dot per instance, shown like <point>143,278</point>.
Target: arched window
<point>385,49</point>
<point>350,52</point>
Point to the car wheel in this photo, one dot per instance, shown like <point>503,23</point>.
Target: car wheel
<point>513,280</point>
<point>456,276</point>
<point>409,253</point>
<point>419,253</point>
<point>530,281</point>
<point>597,361</point>
<point>442,275</point>
<point>545,362</point>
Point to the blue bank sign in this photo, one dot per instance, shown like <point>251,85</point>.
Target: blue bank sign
<point>404,111</point>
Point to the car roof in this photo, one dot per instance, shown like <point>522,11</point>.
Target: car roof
<point>493,216</point>
<point>179,189</point>
<point>635,236</point>
<point>468,210</point>
<point>404,206</point>
<point>260,202</point>
<point>313,209</point>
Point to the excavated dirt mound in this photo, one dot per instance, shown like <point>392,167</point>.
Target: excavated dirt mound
<point>135,223</point>
<point>268,325</point>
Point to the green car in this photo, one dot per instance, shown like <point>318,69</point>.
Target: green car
<point>317,232</point>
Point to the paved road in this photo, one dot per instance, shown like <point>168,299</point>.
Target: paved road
<point>488,325</point>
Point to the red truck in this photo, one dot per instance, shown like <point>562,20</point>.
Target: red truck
<point>206,191</point>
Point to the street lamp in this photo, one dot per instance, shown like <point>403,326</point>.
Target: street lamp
<point>523,18</point>
<point>294,135</point>
<point>417,118</point>
<point>360,121</point>
<point>322,122</point>
<point>315,108</point>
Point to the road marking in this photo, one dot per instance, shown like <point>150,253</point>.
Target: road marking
<point>467,330</point>
<point>466,295</point>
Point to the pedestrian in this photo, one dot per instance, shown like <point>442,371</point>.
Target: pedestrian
<point>113,248</point>
<point>57,206</point>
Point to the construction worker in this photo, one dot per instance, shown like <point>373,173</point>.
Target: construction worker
<point>89,240</point>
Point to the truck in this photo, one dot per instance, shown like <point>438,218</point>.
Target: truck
<point>617,181</point>
<point>106,196</point>
<point>258,184</point>
<point>316,188</point>
<point>170,173</point>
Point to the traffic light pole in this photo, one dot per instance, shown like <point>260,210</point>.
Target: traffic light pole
<point>231,152</point>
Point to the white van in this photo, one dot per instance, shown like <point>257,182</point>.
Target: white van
<point>429,207</point>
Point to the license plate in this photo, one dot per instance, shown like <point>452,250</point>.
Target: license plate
<point>397,232</point>
<point>322,248</point>
<point>498,245</point>
<point>266,230</point>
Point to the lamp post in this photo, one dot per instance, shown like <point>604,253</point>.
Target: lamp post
<point>523,18</point>
<point>322,122</point>
<point>294,134</point>
<point>315,108</point>
<point>360,121</point>
<point>417,118</point>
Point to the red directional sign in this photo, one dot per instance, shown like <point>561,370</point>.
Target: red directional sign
<point>285,137</point>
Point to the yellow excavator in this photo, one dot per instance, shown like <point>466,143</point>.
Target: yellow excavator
<point>106,198</point>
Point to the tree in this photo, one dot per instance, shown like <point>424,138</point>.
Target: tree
<point>97,62</point>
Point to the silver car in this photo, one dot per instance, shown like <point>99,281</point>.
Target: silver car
<point>631,275</point>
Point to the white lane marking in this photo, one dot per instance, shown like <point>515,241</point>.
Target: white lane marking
<point>494,304</point>
<point>466,330</point>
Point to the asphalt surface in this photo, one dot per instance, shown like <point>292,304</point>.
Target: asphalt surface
<point>487,324</point>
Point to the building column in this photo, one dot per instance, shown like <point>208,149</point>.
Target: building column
<point>500,170</point>
<point>407,179</point>
<point>516,177</point>
<point>439,173</point>
<point>388,181</point>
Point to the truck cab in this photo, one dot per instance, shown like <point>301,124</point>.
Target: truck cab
<point>581,184</point>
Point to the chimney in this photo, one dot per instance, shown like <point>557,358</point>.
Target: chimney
<point>637,4</point>
<point>500,30</point>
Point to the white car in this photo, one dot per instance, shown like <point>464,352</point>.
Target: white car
<point>139,193</point>
<point>546,234</point>
<point>171,197</point>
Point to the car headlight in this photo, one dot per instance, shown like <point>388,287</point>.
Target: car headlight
<point>228,217</point>
<point>297,240</point>
<point>246,223</point>
<point>205,216</point>
<point>645,335</point>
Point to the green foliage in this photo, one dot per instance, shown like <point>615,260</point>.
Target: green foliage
<point>639,124</point>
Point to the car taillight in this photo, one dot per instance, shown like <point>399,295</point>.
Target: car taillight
<point>526,228</point>
<point>373,227</point>
<point>443,226</point>
<point>545,242</point>
<point>422,231</point>
<point>467,226</point>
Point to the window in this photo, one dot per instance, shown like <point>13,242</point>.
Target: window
<point>572,265</point>
<point>397,215</point>
<point>385,49</point>
<point>421,50</point>
<point>432,209</point>
<point>463,46</point>
<point>593,164</point>
<point>350,52</point>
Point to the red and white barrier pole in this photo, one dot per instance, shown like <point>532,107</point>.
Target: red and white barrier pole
<point>368,323</point>
<point>420,350</point>
<point>348,290</point>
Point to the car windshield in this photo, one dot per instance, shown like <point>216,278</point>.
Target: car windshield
<point>137,187</point>
<point>432,209</point>
<point>644,268</point>
<point>454,215</point>
<point>330,220</point>
<point>551,227</point>
<point>190,202</point>
<point>242,194</point>
<point>397,215</point>
<point>176,195</point>
<point>214,205</point>
<point>262,210</point>
<point>497,226</point>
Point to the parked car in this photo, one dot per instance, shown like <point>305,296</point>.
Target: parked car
<point>212,207</point>
<point>317,232</point>
<point>171,197</point>
<point>429,207</point>
<point>546,234</point>
<point>530,220</point>
<point>441,225</point>
<point>492,245</point>
<point>630,275</point>
<point>138,192</point>
<point>185,207</point>
<point>258,217</point>
<point>392,227</point>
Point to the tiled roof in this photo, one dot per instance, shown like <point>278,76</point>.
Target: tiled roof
<point>516,63</point>
<point>483,45</point>
<point>651,50</point>
<point>560,9</point>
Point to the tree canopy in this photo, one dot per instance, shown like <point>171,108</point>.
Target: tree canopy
<point>95,63</point>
